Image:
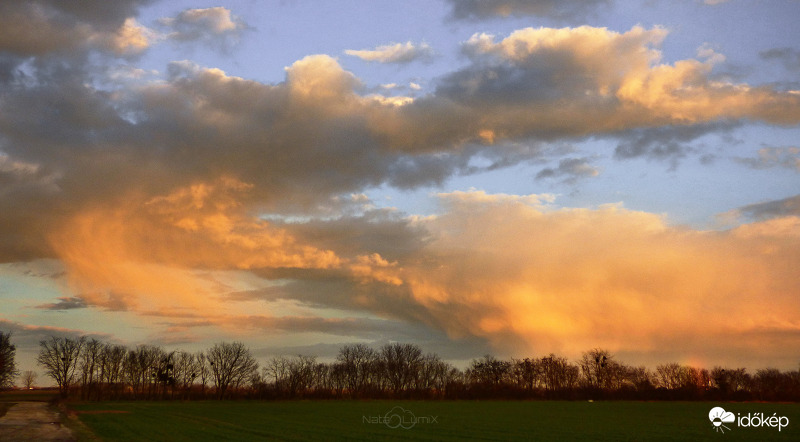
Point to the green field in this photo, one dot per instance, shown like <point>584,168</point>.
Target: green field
<point>432,420</point>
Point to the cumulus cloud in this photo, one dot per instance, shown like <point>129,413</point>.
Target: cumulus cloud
<point>554,9</point>
<point>573,82</point>
<point>395,53</point>
<point>533,279</point>
<point>43,27</point>
<point>144,191</point>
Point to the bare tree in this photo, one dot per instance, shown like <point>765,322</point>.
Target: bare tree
<point>357,362</point>
<point>434,374</point>
<point>186,370</point>
<point>525,373</point>
<point>401,364</point>
<point>733,380</point>
<point>291,375</point>
<point>203,370</point>
<point>90,365</point>
<point>8,366</point>
<point>141,367</point>
<point>669,375</point>
<point>596,367</point>
<point>641,378</point>
<point>59,357</point>
<point>277,372</point>
<point>231,365</point>
<point>301,373</point>
<point>28,378</point>
<point>489,371</point>
<point>112,358</point>
<point>557,373</point>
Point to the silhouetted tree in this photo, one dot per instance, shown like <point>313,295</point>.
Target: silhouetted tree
<point>669,375</point>
<point>140,369</point>
<point>203,370</point>
<point>525,373</point>
<point>558,373</point>
<point>641,378</point>
<point>489,371</point>
<point>434,374</point>
<point>231,365</point>
<point>185,370</point>
<point>8,366</point>
<point>401,365</point>
<point>90,365</point>
<point>106,371</point>
<point>595,367</point>
<point>291,376</point>
<point>357,363</point>
<point>301,374</point>
<point>771,384</point>
<point>277,372</point>
<point>112,358</point>
<point>59,357</point>
<point>28,378</point>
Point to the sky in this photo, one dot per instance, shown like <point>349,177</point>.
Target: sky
<point>503,177</point>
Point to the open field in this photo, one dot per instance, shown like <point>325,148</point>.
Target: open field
<point>427,420</point>
<point>9,398</point>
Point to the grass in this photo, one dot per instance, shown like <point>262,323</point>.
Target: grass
<point>436,420</point>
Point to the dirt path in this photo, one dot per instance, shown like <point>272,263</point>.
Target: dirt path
<point>33,421</point>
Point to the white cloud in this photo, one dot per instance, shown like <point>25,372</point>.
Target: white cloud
<point>395,53</point>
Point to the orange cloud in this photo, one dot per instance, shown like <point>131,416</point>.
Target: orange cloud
<point>149,255</point>
<point>534,279</point>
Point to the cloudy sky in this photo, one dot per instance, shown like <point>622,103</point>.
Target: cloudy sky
<point>500,176</point>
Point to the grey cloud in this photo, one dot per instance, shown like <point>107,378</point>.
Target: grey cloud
<point>768,157</point>
<point>561,10</point>
<point>571,169</point>
<point>41,27</point>
<point>385,232</point>
<point>772,209</point>
<point>65,303</point>
<point>100,13</point>
<point>789,57</point>
<point>216,26</point>
<point>338,291</point>
<point>430,341</point>
<point>509,84</point>
<point>668,143</point>
<point>362,328</point>
<point>27,337</point>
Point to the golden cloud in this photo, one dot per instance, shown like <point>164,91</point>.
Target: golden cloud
<point>529,278</point>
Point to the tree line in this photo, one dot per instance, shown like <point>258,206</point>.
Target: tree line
<point>91,369</point>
